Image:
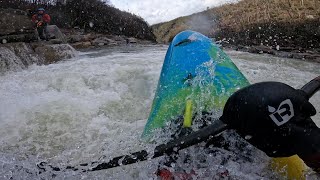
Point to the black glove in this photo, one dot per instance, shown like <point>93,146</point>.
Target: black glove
<point>275,118</point>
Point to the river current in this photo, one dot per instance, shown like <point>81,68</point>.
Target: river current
<point>94,107</point>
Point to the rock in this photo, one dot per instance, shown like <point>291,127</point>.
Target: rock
<point>103,41</point>
<point>132,40</point>
<point>88,37</point>
<point>113,44</point>
<point>310,17</point>
<point>14,21</point>
<point>74,38</point>
<point>55,52</point>
<point>28,37</point>
<point>261,49</point>
<point>82,45</point>
<point>314,57</point>
<point>56,41</point>
<point>55,33</point>
<point>285,52</point>
<point>288,49</point>
<point>118,38</point>
<point>17,56</point>
<point>15,26</point>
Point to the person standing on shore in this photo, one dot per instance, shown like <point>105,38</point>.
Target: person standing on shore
<point>41,20</point>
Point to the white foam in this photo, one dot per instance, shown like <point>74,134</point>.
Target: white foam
<point>95,107</point>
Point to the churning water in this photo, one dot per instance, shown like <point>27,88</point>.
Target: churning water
<point>94,107</point>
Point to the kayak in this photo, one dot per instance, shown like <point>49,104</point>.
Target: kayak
<point>196,77</point>
<point>196,73</point>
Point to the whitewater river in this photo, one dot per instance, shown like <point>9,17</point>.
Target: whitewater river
<point>94,107</point>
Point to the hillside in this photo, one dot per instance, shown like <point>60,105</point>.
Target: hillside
<point>294,23</point>
<point>88,15</point>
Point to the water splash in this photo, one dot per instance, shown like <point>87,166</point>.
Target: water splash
<point>94,108</point>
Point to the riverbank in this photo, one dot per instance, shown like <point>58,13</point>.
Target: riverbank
<point>282,28</point>
<point>79,39</point>
<point>311,55</point>
<point>18,56</point>
<point>21,47</point>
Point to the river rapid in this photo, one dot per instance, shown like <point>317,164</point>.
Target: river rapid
<point>94,107</point>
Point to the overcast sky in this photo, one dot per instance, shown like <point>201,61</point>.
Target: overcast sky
<point>155,11</point>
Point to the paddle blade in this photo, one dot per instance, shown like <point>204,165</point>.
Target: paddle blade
<point>312,87</point>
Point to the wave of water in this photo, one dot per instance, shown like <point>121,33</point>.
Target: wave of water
<point>94,108</point>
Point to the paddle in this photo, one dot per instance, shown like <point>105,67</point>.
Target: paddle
<point>245,111</point>
<point>168,148</point>
<point>312,87</point>
<point>274,117</point>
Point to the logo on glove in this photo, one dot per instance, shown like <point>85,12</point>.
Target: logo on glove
<point>283,114</point>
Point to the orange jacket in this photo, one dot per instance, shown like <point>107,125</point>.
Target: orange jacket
<point>41,17</point>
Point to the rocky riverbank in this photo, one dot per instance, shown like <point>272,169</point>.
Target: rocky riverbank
<point>15,56</point>
<point>299,40</point>
<point>20,46</point>
<point>279,27</point>
<point>285,52</point>
<point>81,40</point>
<point>20,55</point>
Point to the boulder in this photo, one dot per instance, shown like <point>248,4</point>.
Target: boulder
<point>88,37</point>
<point>55,33</point>
<point>118,38</point>
<point>74,38</point>
<point>15,26</point>
<point>82,45</point>
<point>56,41</point>
<point>103,41</point>
<point>261,49</point>
<point>132,40</point>
<point>17,56</point>
<point>55,52</point>
<point>14,21</point>
<point>27,37</point>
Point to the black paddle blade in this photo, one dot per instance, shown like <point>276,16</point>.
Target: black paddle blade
<point>312,87</point>
<point>173,146</point>
<point>273,116</point>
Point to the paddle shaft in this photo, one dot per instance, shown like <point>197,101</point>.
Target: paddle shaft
<point>173,146</point>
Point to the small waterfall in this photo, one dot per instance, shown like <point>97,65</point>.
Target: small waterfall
<point>18,56</point>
